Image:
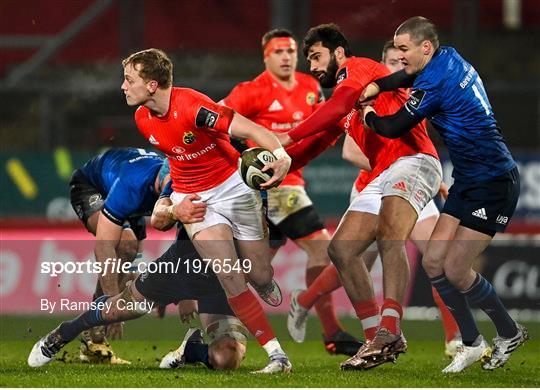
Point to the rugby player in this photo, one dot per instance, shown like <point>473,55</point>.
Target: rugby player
<point>111,194</point>
<point>406,175</point>
<point>426,220</point>
<point>278,99</point>
<point>226,334</point>
<point>194,133</point>
<point>448,90</point>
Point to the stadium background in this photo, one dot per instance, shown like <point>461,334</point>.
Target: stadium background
<point>60,79</point>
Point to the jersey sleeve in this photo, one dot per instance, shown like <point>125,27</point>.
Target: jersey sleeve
<point>167,190</point>
<point>202,112</point>
<point>425,99</point>
<point>243,99</point>
<point>123,199</point>
<point>360,75</point>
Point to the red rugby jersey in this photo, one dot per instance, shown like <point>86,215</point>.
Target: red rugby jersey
<point>269,104</point>
<point>194,136</point>
<point>357,73</point>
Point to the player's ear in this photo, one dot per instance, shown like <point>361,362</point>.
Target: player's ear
<point>152,86</point>
<point>426,47</point>
<point>339,52</point>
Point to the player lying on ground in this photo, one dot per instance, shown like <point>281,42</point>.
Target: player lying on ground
<point>278,99</point>
<point>406,175</point>
<point>449,91</point>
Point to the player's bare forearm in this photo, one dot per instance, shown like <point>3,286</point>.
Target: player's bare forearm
<point>106,256</point>
<point>243,128</point>
<point>108,237</point>
<point>162,218</point>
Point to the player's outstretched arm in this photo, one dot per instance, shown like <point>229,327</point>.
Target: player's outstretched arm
<point>304,151</point>
<point>340,104</point>
<point>391,126</point>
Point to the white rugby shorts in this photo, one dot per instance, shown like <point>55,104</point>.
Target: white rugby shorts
<point>231,203</point>
<point>416,179</point>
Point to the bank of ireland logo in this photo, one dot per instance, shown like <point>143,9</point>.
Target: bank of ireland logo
<point>310,98</point>
<point>189,137</point>
<point>178,149</point>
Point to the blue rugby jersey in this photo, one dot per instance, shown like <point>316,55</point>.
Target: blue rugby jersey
<point>125,177</point>
<point>450,93</point>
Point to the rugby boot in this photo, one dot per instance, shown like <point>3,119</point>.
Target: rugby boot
<point>45,349</point>
<point>503,348</point>
<point>342,343</point>
<point>385,347</point>
<point>278,364</point>
<point>297,318</point>
<point>95,349</point>
<point>176,358</point>
<point>466,356</point>
<point>451,347</point>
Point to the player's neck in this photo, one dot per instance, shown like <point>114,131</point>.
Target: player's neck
<point>288,82</point>
<point>426,61</point>
<point>160,102</point>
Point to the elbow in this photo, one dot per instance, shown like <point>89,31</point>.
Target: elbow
<point>161,224</point>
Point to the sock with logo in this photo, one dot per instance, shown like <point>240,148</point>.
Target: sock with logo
<point>456,302</point>
<point>369,315</point>
<point>391,314</point>
<point>449,324</point>
<point>324,280</point>
<point>248,310</point>
<point>69,330</point>
<point>483,295</point>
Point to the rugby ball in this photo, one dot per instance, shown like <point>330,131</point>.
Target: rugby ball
<point>250,166</point>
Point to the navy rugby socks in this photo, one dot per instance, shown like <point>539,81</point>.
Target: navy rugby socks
<point>197,352</point>
<point>456,302</point>
<point>69,330</point>
<point>483,295</point>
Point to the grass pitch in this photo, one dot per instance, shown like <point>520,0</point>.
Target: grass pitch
<point>146,340</point>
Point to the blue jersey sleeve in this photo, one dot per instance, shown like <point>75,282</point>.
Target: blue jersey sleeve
<point>425,99</point>
<point>124,199</point>
<point>167,190</point>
